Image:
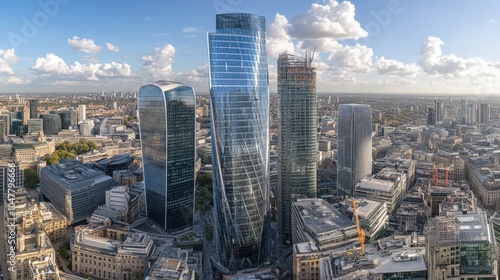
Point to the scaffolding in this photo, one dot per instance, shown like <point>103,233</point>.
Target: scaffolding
<point>442,231</point>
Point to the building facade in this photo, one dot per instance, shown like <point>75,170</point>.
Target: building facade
<point>167,113</point>
<point>298,140</point>
<point>239,100</point>
<point>354,146</point>
<point>51,124</point>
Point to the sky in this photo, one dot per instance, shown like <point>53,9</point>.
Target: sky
<point>375,46</point>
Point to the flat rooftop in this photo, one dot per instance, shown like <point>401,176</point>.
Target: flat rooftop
<point>474,228</point>
<point>320,217</point>
<point>74,175</point>
<point>375,184</point>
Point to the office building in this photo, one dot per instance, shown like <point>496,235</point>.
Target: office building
<point>16,120</point>
<point>74,189</point>
<point>26,113</point>
<point>82,113</point>
<point>4,178</point>
<point>461,247</point>
<point>100,254</point>
<point>354,146</point>
<point>86,127</point>
<point>35,126</point>
<point>439,111</point>
<point>463,110</point>
<point>167,112</point>
<point>116,163</point>
<point>484,113</point>
<point>68,118</point>
<point>34,109</point>
<point>431,116</point>
<point>298,140</point>
<point>51,124</point>
<point>317,222</point>
<point>239,103</point>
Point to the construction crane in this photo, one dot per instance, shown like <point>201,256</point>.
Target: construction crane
<point>361,233</point>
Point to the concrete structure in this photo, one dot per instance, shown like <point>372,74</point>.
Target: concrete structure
<point>387,186</point>
<point>82,113</point>
<point>297,137</point>
<point>110,257</point>
<point>171,265</point>
<point>316,221</point>
<point>372,215</point>
<point>74,189</point>
<point>354,146</point>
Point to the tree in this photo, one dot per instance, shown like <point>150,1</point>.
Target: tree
<point>30,178</point>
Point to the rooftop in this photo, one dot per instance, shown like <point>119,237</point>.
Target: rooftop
<point>375,184</point>
<point>74,175</point>
<point>320,217</point>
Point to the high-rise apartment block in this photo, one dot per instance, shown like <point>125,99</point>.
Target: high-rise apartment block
<point>354,146</point>
<point>167,112</point>
<point>298,140</point>
<point>239,100</point>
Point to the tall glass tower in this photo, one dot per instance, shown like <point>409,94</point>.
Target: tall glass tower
<point>167,118</point>
<point>239,100</point>
<point>354,148</point>
<point>297,137</point>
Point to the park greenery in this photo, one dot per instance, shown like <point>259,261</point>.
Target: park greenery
<point>204,192</point>
<point>70,151</point>
<point>31,178</point>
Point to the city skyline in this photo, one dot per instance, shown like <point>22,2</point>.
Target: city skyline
<point>361,47</point>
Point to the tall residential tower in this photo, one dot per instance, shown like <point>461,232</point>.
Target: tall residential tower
<point>167,114</point>
<point>239,100</point>
<point>297,137</point>
<point>354,135</point>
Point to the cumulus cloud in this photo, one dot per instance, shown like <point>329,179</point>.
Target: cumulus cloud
<point>112,47</point>
<point>16,80</point>
<point>84,45</point>
<point>195,75</point>
<point>8,58</point>
<point>158,64</point>
<point>434,62</point>
<point>331,20</point>
<point>393,67</point>
<point>51,64</point>
<point>278,40</point>
<point>357,58</point>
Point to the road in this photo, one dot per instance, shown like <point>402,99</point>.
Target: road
<point>208,247</point>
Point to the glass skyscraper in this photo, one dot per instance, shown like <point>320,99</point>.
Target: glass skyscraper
<point>167,118</point>
<point>354,148</point>
<point>239,100</point>
<point>297,135</point>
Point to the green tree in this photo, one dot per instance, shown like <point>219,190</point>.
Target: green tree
<point>30,178</point>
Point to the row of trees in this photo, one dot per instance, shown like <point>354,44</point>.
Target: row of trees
<point>69,150</point>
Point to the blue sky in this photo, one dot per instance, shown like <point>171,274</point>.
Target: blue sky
<point>390,46</point>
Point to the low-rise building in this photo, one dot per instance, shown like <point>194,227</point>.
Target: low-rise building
<point>106,258</point>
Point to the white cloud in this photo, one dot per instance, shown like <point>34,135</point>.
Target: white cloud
<point>52,65</point>
<point>434,62</point>
<point>158,64</point>
<point>162,34</point>
<point>393,67</point>
<point>8,58</point>
<point>84,45</point>
<point>493,20</point>
<point>192,29</point>
<point>278,40</point>
<point>15,80</point>
<point>331,20</point>
<point>112,47</point>
<point>195,75</point>
<point>321,44</point>
<point>357,58</point>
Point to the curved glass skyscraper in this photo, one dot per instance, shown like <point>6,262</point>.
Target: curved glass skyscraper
<point>167,117</point>
<point>239,100</point>
<point>298,140</point>
<point>354,148</point>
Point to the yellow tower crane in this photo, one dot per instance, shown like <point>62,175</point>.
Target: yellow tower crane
<point>361,233</point>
